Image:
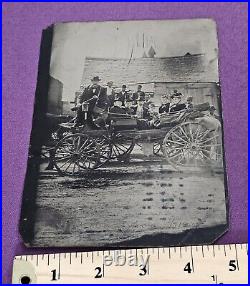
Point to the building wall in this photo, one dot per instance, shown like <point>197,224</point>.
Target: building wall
<point>55,96</point>
<point>66,107</point>
<point>201,92</point>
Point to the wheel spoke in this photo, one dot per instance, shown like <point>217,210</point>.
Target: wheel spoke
<point>197,133</point>
<point>120,148</point>
<point>66,162</point>
<point>181,158</point>
<point>202,135</point>
<point>184,133</point>
<point>209,145</point>
<point>209,139</point>
<point>63,158</point>
<point>176,142</point>
<point>179,137</point>
<point>73,171</point>
<point>175,155</point>
<point>66,150</point>
<point>191,133</point>
<point>84,145</point>
<point>206,156</point>
<point>176,148</point>
<point>68,166</point>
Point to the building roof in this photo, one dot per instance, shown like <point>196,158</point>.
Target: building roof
<point>188,68</point>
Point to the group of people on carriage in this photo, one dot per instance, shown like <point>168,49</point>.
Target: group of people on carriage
<point>97,104</point>
<point>97,107</point>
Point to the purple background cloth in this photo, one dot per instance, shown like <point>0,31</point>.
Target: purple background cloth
<point>22,29</point>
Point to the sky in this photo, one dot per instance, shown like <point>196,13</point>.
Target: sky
<point>72,42</point>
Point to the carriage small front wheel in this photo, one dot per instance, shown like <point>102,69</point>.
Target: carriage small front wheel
<point>121,146</point>
<point>78,152</point>
<point>190,144</point>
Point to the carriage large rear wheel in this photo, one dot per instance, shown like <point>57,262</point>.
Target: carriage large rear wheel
<point>191,144</point>
<point>78,152</point>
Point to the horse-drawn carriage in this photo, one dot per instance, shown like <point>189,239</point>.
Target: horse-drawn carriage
<point>182,139</point>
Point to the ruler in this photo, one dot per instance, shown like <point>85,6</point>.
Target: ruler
<point>209,264</point>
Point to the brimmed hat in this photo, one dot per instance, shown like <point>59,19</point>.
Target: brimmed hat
<point>176,95</point>
<point>124,86</point>
<point>96,78</point>
<point>212,107</point>
<point>110,82</point>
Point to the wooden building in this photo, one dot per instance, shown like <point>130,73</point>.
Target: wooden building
<point>189,74</point>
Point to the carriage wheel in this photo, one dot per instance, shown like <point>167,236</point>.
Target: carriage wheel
<point>190,144</point>
<point>78,152</point>
<point>103,146</point>
<point>157,148</point>
<point>121,146</point>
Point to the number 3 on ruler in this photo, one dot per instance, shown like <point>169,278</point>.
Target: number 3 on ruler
<point>143,269</point>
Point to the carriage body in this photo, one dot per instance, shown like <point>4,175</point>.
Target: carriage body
<point>180,139</point>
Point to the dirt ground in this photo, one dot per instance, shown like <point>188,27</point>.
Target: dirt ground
<point>125,201</point>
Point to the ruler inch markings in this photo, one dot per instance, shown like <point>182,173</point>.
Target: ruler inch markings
<point>237,260</point>
<point>67,268</point>
<point>59,266</point>
<point>192,258</point>
<point>225,252</point>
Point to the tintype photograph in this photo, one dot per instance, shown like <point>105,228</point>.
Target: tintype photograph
<point>126,146</point>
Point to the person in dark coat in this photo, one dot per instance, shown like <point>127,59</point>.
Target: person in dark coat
<point>164,108</point>
<point>139,94</point>
<point>118,108</point>
<point>123,95</point>
<point>96,97</point>
<point>174,106</point>
<point>146,105</point>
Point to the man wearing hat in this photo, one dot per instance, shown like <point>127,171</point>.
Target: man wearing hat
<point>118,107</point>
<point>139,94</point>
<point>212,110</point>
<point>174,105</point>
<point>176,93</point>
<point>165,104</point>
<point>123,94</point>
<point>96,97</point>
